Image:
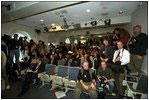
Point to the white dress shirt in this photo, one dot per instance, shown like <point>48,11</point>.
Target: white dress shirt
<point>124,56</point>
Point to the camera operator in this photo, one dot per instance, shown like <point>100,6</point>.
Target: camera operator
<point>105,76</point>
<point>138,46</point>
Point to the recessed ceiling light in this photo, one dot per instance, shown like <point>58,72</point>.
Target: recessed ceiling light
<point>120,12</point>
<point>99,36</point>
<point>53,24</point>
<point>88,10</point>
<point>41,20</point>
<point>82,37</point>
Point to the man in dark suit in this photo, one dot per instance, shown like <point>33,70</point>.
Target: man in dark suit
<point>32,74</point>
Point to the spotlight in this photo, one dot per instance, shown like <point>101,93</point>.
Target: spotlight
<point>85,24</point>
<point>41,20</point>
<point>93,23</point>
<point>107,21</point>
<point>37,31</point>
<point>54,28</point>
<point>46,29</point>
<point>88,10</point>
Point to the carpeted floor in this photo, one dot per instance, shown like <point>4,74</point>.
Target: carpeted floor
<point>35,92</point>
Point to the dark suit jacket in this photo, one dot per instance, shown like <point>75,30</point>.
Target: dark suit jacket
<point>108,53</point>
<point>41,68</point>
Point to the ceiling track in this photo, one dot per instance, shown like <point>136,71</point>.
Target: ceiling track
<point>90,28</point>
<point>47,11</point>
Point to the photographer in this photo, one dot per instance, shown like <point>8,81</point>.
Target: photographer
<point>120,60</point>
<point>138,46</point>
<point>105,76</point>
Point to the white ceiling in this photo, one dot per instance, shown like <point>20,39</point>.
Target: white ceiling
<point>16,5</point>
<point>21,11</point>
<point>77,13</point>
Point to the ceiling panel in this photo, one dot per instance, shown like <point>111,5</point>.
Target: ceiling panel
<point>16,5</point>
<point>34,9</point>
<point>78,13</point>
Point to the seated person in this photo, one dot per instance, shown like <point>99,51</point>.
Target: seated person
<point>104,74</point>
<point>86,82</point>
<point>75,61</point>
<point>39,67</point>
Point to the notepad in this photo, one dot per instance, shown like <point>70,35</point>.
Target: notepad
<point>60,94</point>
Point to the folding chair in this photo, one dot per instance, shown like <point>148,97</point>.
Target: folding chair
<point>71,82</point>
<point>61,62</point>
<point>46,76</point>
<point>61,74</point>
<point>62,71</point>
<point>140,89</point>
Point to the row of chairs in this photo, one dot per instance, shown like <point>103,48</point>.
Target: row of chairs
<point>63,76</point>
<point>137,86</point>
<point>66,77</point>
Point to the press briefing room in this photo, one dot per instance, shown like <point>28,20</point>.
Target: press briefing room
<point>74,49</point>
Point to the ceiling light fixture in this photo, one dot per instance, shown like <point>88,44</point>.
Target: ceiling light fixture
<point>107,21</point>
<point>88,10</point>
<point>93,23</point>
<point>53,24</point>
<point>82,37</point>
<point>41,20</point>
<point>120,12</point>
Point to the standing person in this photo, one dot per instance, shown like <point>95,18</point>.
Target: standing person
<point>120,34</point>
<point>116,35</point>
<point>86,82</point>
<point>107,51</point>
<point>14,49</point>
<point>15,52</point>
<point>25,42</point>
<point>3,68</point>
<point>120,59</point>
<point>124,37</point>
<point>39,67</point>
<point>138,46</point>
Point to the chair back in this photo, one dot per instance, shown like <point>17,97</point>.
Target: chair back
<point>73,73</point>
<point>61,62</point>
<point>50,69</point>
<point>143,84</point>
<point>62,71</point>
